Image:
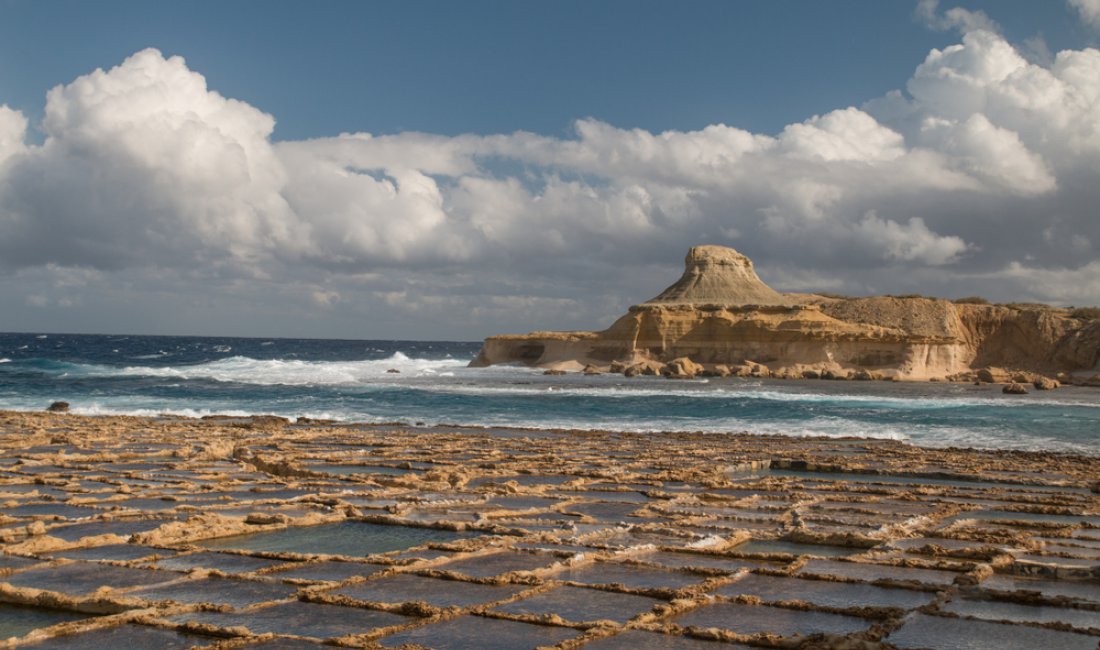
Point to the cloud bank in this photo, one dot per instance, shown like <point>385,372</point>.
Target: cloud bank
<point>979,177</point>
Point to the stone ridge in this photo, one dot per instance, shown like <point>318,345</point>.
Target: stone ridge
<point>720,276</point>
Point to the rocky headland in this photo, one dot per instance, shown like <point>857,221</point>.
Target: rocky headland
<point>721,319</point>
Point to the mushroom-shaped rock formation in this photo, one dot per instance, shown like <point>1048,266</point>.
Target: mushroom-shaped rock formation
<point>716,275</point>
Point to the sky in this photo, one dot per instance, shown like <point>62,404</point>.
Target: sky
<point>442,170</point>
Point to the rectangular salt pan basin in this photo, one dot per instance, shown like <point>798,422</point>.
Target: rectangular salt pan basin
<point>220,591</point>
<point>825,593</point>
<point>1013,515</point>
<point>581,605</point>
<point>353,538</point>
<point>327,571</point>
<point>795,548</point>
<point>1088,590</point>
<point>17,621</point>
<point>479,633</point>
<point>224,562</point>
<point>609,573</point>
<point>605,512</point>
<point>62,510</point>
<point>912,480</point>
<point>762,619</point>
<point>126,636</point>
<point>924,631</point>
<point>437,592</point>
<point>522,502</point>
<point>992,610</point>
<point>80,578</point>
<point>871,572</point>
<point>123,528</point>
<point>636,639</point>
<point>301,619</point>
<point>494,564</point>
<point>12,562</point>
<point>355,470</point>
<point>676,560</point>
<point>115,552</point>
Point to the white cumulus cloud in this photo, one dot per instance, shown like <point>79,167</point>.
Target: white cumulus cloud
<point>149,178</point>
<point>1089,11</point>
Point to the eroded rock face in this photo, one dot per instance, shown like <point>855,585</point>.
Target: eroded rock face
<point>719,275</point>
<point>720,313</point>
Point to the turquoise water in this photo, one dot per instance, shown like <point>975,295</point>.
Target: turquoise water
<point>349,380</point>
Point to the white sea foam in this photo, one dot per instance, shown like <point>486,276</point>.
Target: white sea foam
<point>159,355</point>
<point>5,360</point>
<point>272,372</point>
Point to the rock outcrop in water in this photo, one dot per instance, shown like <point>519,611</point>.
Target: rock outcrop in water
<point>721,315</point>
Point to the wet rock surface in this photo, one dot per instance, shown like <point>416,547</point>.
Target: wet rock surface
<point>254,532</point>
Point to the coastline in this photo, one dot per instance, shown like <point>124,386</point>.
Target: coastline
<point>674,533</point>
<point>353,382</point>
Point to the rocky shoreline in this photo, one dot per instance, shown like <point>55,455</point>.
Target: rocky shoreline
<point>685,368</point>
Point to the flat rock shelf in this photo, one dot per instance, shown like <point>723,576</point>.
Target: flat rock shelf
<point>228,533</point>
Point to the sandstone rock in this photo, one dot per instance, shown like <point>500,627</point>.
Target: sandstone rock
<point>1014,389</point>
<point>829,374</point>
<point>1045,383</point>
<point>758,369</point>
<point>644,368</point>
<point>741,370</point>
<point>553,371</point>
<point>617,367</point>
<point>862,375</point>
<point>720,370</point>
<point>1063,378</point>
<point>1092,381</point>
<point>681,368</point>
<point>719,275</point>
<point>993,375</point>
<point>58,407</point>
<point>811,374</point>
<point>721,312</point>
<point>1021,378</point>
<point>592,369</point>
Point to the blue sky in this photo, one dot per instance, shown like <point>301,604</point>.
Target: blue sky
<point>457,169</point>
<point>444,67</point>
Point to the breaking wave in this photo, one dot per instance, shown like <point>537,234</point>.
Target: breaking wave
<point>283,372</point>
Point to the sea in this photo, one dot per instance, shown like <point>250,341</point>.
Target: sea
<point>427,383</point>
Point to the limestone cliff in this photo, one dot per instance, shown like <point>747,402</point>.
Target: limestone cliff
<point>721,314</point>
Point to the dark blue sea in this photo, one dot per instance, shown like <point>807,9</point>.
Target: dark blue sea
<point>350,380</point>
